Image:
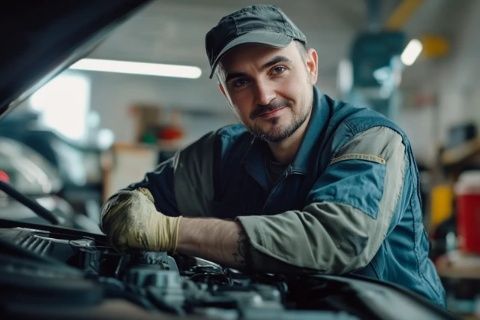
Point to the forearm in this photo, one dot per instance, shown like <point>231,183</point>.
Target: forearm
<point>218,240</point>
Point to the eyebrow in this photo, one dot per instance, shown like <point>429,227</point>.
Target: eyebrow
<point>266,65</point>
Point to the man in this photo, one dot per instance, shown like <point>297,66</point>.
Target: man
<point>305,184</point>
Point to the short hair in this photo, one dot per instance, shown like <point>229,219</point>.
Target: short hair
<point>302,48</point>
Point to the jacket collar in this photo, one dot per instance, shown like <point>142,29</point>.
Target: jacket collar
<point>257,156</point>
<point>316,126</point>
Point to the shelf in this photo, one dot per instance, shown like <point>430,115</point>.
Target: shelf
<point>459,265</point>
<point>459,154</point>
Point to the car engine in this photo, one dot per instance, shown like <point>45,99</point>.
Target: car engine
<point>48,274</point>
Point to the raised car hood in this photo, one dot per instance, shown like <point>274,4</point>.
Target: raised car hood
<point>41,38</point>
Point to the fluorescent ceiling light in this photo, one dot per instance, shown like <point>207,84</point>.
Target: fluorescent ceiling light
<point>151,69</point>
<point>411,52</point>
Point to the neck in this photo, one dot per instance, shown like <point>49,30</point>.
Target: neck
<point>284,151</point>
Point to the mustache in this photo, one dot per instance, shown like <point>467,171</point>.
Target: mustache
<point>275,104</point>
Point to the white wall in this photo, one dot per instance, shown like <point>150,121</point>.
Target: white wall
<point>460,94</point>
<point>114,95</point>
<point>450,84</point>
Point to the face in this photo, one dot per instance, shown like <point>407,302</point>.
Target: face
<point>270,88</point>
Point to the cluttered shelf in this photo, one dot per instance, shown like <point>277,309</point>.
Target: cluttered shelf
<point>461,154</point>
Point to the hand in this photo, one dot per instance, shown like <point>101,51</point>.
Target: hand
<point>131,220</point>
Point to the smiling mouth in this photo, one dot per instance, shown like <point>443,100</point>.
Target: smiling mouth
<point>268,113</point>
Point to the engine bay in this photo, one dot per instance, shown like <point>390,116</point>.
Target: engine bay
<point>47,274</point>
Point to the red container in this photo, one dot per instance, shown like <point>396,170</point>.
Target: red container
<point>468,211</point>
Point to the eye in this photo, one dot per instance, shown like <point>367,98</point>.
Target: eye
<point>279,69</point>
<point>238,83</point>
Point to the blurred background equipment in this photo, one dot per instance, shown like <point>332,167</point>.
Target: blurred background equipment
<point>62,174</point>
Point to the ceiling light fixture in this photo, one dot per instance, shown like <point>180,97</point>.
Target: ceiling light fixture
<point>411,52</point>
<point>142,68</point>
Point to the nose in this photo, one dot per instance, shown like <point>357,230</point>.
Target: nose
<point>265,92</point>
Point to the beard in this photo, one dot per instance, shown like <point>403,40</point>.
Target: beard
<point>277,134</point>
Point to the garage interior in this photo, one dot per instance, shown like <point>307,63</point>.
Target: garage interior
<point>118,126</point>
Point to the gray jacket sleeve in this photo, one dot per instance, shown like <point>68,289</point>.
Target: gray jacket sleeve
<point>336,232</point>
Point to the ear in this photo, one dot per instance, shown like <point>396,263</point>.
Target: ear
<point>312,64</point>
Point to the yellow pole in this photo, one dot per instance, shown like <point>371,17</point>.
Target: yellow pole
<point>402,13</point>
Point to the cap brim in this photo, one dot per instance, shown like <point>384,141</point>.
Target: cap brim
<point>263,37</point>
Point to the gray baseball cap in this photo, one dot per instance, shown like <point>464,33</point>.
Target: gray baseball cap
<point>265,24</point>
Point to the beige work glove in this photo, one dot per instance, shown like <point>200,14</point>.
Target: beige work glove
<point>130,220</point>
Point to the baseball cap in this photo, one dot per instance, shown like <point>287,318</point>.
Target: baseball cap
<point>265,24</point>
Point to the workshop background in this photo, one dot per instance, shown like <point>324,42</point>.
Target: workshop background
<point>414,61</point>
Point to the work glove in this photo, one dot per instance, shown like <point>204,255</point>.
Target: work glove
<point>130,220</point>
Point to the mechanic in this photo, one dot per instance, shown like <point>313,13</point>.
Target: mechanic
<point>305,183</point>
